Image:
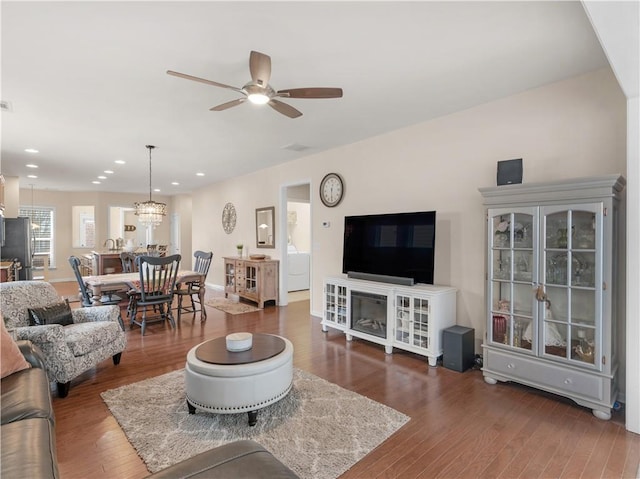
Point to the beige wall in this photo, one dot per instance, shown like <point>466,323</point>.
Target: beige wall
<point>181,206</point>
<point>11,194</point>
<point>568,129</point>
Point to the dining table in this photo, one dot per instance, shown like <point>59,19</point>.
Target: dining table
<point>96,284</point>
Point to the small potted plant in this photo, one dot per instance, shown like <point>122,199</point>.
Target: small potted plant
<point>240,247</point>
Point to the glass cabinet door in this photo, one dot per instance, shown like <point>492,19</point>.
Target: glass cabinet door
<point>421,322</point>
<point>336,303</point>
<point>512,271</point>
<point>412,320</point>
<point>251,279</point>
<point>341,305</point>
<point>230,275</point>
<point>403,319</point>
<point>572,267</point>
<point>330,302</point>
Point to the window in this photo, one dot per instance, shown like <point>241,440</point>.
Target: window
<point>42,228</point>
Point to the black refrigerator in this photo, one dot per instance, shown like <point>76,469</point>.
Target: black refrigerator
<point>18,244</point>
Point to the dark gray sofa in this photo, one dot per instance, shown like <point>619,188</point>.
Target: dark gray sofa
<point>28,435</point>
<point>237,460</point>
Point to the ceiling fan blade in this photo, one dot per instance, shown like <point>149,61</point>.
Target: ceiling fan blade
<point>285,109</point>
<point>311,93</point>
<point>202,80</point>
<point>228,105</point>
<point>260,68</point>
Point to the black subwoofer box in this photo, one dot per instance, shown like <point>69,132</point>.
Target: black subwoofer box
<point>459,349</point>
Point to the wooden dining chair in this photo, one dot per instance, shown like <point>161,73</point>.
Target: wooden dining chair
<point>156,286</point>
<point>192,288</point>
<point>109,297</point>
<point>128,261</point>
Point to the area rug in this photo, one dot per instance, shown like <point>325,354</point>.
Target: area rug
<point>319,429</point>
<point>231,307</point>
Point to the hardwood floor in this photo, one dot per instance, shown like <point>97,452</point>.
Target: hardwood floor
<point>460,427</point>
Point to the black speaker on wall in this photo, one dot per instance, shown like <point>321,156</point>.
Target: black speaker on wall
<point>510,172</point>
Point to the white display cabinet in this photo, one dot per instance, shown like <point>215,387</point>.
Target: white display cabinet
<point>551,288</point>
<point>411,318</point>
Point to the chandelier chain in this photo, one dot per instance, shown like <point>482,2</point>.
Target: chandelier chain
<point>150,147</point>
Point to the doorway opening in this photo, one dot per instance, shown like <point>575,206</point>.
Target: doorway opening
<point>297,243</point>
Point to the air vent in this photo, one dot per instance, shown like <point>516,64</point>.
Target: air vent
<point>5,106</point>
<point>296,147</point>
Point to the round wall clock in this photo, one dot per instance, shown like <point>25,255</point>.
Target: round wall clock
<point>331,189</point>
<point>229,218</point>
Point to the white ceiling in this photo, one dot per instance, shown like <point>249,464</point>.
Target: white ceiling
<point>87,81</point>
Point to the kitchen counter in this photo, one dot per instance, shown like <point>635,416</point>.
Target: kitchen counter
<point>7,271</point>
<point>106,262</point>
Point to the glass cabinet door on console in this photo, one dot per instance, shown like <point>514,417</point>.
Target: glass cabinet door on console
<point>335,308</point>
<point>230,276</point>
<point>250,279</point>
<point>412,321</point>
<point>551,274</point>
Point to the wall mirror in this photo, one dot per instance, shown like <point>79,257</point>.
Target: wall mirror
<point>265,227</point>
<point>83,226</point>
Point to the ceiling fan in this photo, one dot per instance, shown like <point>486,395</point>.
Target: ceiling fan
<point>259,91</point>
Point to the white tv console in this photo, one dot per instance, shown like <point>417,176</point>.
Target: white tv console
<point>411,318</point>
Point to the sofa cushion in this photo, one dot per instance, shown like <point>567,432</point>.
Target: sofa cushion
<point>26,394</point>
<point>11,359</point>
<point>243,459</point>
<point>28,449</point>
<point>83,338</point>
<point>57,313</point>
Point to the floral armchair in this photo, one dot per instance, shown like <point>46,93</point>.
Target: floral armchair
<point>95,334</point>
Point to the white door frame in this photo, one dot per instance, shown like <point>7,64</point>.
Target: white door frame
<point>283,242</point>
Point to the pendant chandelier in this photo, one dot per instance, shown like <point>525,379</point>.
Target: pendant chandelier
<point>150,213</point>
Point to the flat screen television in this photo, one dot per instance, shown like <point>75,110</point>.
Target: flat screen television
<point>399,245</point>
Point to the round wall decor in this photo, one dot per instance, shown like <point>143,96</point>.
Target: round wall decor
<point>331,189</point>
<point>229,218</point>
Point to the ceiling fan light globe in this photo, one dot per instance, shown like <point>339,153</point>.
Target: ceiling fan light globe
<point>258,98</point>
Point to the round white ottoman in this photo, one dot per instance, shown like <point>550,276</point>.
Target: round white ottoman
<point>228,382</point>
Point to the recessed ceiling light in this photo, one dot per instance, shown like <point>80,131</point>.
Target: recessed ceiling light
<point>95,182</point>
<point>31,150</point>
<point>31,176</point>
<point>120,162</point>
<point>109,172</point>
<point>175,183</point>
<point>157,190</point>
<point>31,165</point>
<point>102,177</point>
<point>199,174</point>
